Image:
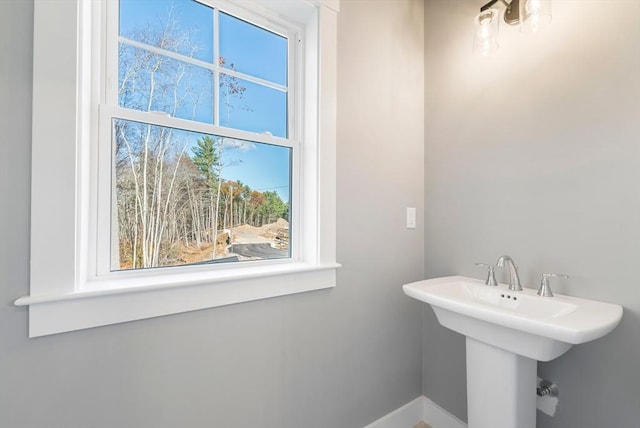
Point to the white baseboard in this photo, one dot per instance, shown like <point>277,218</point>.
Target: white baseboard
<point>420,409</point>
<point>438,417</point>
<point>404,417</point>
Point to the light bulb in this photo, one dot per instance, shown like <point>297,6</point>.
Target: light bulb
<point>533,6</point>
<point>485,39</point>
<point>534,15</point>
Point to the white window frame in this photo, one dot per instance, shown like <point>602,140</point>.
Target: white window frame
<point>109,109</point>
<point>66,293</point>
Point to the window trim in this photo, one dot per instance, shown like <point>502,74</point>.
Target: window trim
<point>109,109</point>
<point>62,296</point>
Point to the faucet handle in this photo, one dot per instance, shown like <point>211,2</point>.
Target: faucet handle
<point>491,278</point>
<point>545,289</point>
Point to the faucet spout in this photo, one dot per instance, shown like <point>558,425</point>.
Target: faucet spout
<point>514,279</point>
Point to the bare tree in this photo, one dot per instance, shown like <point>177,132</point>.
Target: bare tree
<point>152,82</point>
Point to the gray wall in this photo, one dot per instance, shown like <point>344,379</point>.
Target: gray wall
<point>337,358</point>
<point>536,153</point>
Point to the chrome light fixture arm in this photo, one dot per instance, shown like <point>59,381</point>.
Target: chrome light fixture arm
<point>511,14</point>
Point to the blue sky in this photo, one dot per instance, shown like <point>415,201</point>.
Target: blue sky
<point>251,50</point>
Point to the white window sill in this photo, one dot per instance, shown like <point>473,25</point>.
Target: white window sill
<point>111,302</point>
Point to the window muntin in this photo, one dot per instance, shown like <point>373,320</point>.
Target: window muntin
<point>165,65</point>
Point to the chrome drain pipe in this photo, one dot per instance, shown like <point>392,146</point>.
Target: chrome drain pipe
<point>547,388</point>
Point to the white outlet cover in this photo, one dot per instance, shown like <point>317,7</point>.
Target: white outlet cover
<point>411,218</point>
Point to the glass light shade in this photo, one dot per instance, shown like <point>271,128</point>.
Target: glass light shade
<point>534,15</point>
<point>485,39</point>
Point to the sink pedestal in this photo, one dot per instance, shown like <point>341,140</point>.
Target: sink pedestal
<point>501,387</point>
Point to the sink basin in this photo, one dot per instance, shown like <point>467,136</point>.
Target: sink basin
<point>541,328</point>
<point>507,332</point>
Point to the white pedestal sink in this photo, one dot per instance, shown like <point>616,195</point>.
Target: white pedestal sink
<point>507,332</point>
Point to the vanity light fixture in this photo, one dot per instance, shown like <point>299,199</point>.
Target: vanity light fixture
<point>532,15</point>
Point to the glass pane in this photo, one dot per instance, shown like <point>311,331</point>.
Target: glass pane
<point>176,193</point>
<point>182,26</point>
<point>252,50</point>
<point>152,82</point>
<point>252,107</point>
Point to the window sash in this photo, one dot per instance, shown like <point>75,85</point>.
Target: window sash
<point>100,245</point>
<point>287,29</point>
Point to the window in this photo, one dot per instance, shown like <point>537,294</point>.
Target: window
<point>177,158</point>
<point>208,180</point>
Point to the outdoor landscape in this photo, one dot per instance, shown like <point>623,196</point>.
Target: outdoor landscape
<point>181,196</point>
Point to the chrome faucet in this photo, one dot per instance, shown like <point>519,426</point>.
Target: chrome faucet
<point>514,279</point>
